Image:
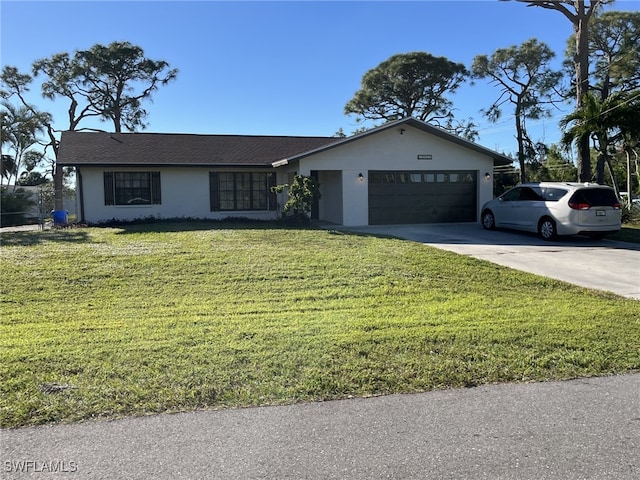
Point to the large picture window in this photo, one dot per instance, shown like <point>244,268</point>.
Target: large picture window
<point>241,190</point>
<point>132,188</point>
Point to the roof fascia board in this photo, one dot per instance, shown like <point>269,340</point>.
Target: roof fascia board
<point>280,163</point>
<point>252,166</point>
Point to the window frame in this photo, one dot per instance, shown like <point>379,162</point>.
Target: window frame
<point>377,177</point>
<point>117,193</point>
<point>241,191</point>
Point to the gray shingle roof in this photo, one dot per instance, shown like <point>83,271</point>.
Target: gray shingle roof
<point>121,149</point>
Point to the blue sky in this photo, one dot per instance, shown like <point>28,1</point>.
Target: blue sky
<point>283,68</point>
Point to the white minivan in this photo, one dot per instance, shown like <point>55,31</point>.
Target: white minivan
<point>555,208</point>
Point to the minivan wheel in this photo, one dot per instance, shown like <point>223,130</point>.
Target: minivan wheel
<point>547,229</point>
<point>488,220</point>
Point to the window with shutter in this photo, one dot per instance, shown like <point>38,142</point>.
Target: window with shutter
<point>214,191</point>
<point>109,198</point>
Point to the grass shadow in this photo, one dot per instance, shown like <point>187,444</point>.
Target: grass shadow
<point>189,225</point>
<point>629,233</point>
<point>30,238</point>
<point>355,233</point>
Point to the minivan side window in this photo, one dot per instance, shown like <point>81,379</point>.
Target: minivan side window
<point>529,194</point>
<point>511,195</point>
<point>554,194</point>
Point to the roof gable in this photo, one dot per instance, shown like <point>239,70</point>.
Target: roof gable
<point>162,149</point>
<point>498,158</point>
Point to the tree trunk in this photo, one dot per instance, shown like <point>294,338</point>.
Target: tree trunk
<point>581,29</point>
<point>600,169</point>
<point>58,186</point>
<point>580,20</point>
<point>629,192</point>
<point>628,151</point>
<point>520,135</point>
<point>613,177</point>
<point>58,178</point>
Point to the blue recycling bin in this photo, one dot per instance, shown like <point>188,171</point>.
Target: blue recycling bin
<point>60,217</point>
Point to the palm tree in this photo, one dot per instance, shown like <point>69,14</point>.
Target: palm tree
<point>579,125</point>
<point>604,121</point>
<point>20,129</point>
<point>628,119</point>
<point>8,163</point>
<point>7,168</point>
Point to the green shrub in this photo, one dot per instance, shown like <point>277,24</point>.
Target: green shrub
<point>14,206</point>
<point>302,192</point>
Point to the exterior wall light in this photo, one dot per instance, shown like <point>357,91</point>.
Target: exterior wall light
<point>487,176</point>
<point>361,177</point>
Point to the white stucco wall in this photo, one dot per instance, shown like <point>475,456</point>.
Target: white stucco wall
<point>185,194</point>
<point>185,190</point>
<point>389,150</point>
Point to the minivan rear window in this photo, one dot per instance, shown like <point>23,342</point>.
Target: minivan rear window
<point>596,197</point>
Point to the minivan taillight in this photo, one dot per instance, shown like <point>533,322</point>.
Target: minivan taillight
<point>579,205</point>
<point>616,206</point>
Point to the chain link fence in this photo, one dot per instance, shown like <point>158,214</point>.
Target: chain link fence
<point>31,205</point>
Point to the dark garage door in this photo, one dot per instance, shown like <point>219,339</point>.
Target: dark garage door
<point>422,197</point>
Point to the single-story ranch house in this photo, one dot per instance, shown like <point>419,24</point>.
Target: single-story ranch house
<point>405,171</point>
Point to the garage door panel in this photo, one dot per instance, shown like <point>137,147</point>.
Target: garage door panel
<point>429,197</point>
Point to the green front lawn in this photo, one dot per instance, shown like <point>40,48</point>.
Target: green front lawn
<point>155,318</point>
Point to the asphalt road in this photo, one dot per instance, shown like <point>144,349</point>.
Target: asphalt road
<point>579,429</point>
<point>599,264</point>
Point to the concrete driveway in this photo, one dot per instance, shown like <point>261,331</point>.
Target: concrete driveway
<point>598,264</point>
